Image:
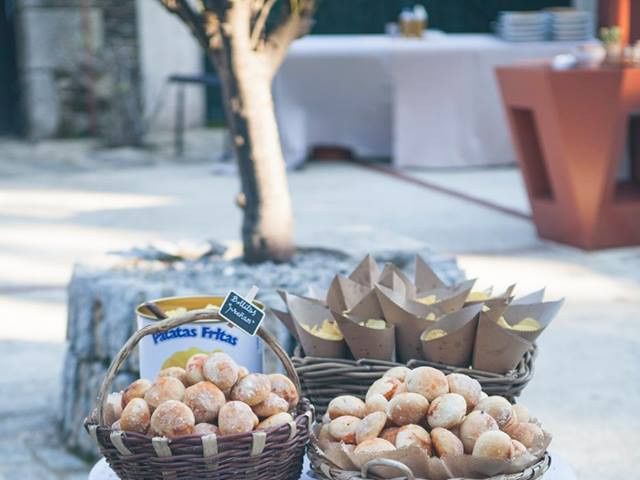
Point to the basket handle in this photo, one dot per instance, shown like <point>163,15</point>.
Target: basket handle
<point>168,324</point>
<point>386,462</point>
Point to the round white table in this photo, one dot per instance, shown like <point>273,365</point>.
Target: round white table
<point>559,470</point>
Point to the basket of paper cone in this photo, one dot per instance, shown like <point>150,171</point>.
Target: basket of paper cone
<point>213,421</point>
<point>436,427</point>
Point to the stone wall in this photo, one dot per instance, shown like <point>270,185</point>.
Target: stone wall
<point>102,301</point>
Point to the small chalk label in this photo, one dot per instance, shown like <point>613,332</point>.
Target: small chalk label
<point>241,312</point>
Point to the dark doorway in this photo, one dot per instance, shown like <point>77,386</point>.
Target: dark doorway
<point>9,116</point>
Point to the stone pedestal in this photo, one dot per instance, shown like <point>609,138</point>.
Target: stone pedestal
<point>102,300</point>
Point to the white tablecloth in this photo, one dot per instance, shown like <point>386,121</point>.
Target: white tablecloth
<point>427,102</point>
<point>559,470</point>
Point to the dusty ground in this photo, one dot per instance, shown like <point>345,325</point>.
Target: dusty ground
<point>587,383</point>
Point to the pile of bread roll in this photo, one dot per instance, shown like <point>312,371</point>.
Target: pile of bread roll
<point>213,394</point>
<point>442,415</point>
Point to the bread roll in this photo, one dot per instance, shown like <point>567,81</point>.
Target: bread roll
<point>466,386</point>
<point>205,429</point>
<point>346,405</point>
<point>252,389</point>
<point>284,388</point>
<point>474,425</point>
<point>272,405</point>
<point>390,434</point>
<point>529,434</point>
<point>376,403</point>
<point>193,368</point>
<point>135,416</point>
<point>446,443</point>
<point>175,372</point>
<point>370,426</point>
<point>236,417</point>
<point>172,419</point>
<point>493,444</point>
<point>407,408</point>
<point>205,400</point>
<point>414,435</point>
<point>221,370</point>
<point>242,372</point>
<point>136,389</point>
<point>276,420</point>
<point>518,449</point>
<point>343,428</point>
<point>375,445</point>
<point>499,408</point>
<point>385,386</point>
<point>164,388</point>
<point>447,411</point>
<point>399,373</point>
<point>112,407</point>
<point>521,413</point>
<point>428,382</point>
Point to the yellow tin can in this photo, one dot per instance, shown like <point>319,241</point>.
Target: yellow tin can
<point>174,347</point>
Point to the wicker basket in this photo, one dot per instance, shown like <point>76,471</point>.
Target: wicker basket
<point>326,470</point>
<point>325,378</point>
<point>273,454</point>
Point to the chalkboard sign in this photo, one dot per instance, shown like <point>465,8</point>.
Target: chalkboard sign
<point>241,312</point>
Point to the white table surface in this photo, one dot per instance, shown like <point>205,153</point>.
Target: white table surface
<point>559,470</point>
<point>425,102</point>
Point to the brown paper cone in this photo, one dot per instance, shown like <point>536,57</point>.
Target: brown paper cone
<point>393,278</point>
<point>365,342</point>
<point>287,321</point>
<point>368,307</point>
<point>366,273</point>
<point>304,311</point>
<point>497,349</point>
<point>426,278</point>
<point>344,294</point>
<point>450,299</point>
<point>542,312</point>
<point>408,326</point>
<point>456,347</point>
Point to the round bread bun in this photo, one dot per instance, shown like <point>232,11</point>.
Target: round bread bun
<point>252,389</point>
<point>493,444</point>
<point>276,420</point>
<point>446,443</point>
<point>518,449</point>
<point>521,413</point>
<point>428,382</point>
<point>375,445</point>
<point>221,370</point>
<point>370,426</point>
<point>529,434</point>
<point>474,425</point>
<point>399,373</point>
<point>390,434</point>
<point>112,407</point>
<point>466,386</point>
<point>343,428</point>
<point>205,400</point>
<point>376,403</point>
<point>193,368</point>
<point>499,408</point>
<point>385,386</point>
<point>137,389</point>
<point>346,405</point>
<point>414,435</point>
<point>447,411</point>
<point>407,408</point>
<point>272,405</point>
<point>175,372</point>
<point>242,372</point>
<point>284,388</point>
<point>164,388</point>
<point>236,417</point>
<point>205,429</point>
<point>135,416</point>
<point>172,419</point>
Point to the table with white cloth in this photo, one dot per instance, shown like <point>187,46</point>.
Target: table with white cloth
<point>559,470</point>
<point>430,102</point>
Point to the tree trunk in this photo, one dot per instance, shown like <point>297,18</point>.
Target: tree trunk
<point>267,228</point>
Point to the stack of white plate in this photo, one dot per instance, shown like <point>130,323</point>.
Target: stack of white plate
<point>522,26</point>
<point>571,25</point>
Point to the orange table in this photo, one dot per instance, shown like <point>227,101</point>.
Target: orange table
<point>571,130</point>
